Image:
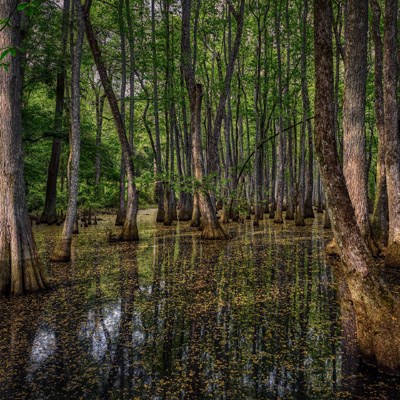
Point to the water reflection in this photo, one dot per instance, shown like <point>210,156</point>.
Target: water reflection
<point>177,317</point>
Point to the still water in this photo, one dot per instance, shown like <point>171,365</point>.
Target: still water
<point>176,317</point>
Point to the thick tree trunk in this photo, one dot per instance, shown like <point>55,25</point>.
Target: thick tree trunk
<point>379,222</point>
<point>377,313</point>
<point>195,221</point>
<point>49,214</point>
<point>211,228</point>
<point>62,252</point>
<point>129,230</point>
<point>354,140</point>
<point>20,269</point>
<point>392,148</point>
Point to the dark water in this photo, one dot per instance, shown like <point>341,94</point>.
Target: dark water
<point>256,317</point>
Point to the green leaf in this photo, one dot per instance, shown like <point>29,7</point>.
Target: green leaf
<point>4,53</point>
<point>22,6</point>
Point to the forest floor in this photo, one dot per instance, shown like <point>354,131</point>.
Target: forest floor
<point>174,316</point>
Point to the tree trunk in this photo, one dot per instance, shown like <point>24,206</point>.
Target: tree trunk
<point>290,195</point>
<point>278,218</point>
<point>49,214</point>
<point>62,252</point>
<point>308,208</point>
<point>129,230</point>
<point>380,214</point>
<point>121,25</point>
<point>391,135</point>
<point>273,179</point>
<point>213,159</point>
<point>119,220</point>
<point>99,128</point>
<point>211,227</point>
<point>159,185</point>
<point>354,140</point>
<point>258,162</point>
<point>377,313</point>
<point>20,269</point>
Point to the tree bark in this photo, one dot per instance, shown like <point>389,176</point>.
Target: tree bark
<point>159,170</point>
<point>100,98</point>
<point>392,148</point>
<point>354,140</point>
<point>213,160</point>
<point>62,252</point>
<point>211,227</point>
<point>49,214</point>
<point>129,230</point>
<point>377,312</point>
<point>278,218</point>
<point>20,269</point>
<point>121,25</point>
<point>379,222</point>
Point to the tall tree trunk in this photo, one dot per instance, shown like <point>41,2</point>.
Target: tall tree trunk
<point>121,24</point>
<point>20,269</point>
<point>258,162</point>
<point>354,140</point>
<point>299,218</point>
<point>290,204</point>
<point>377,313</point>
<point>100,98</point>
<point>213,159</point>
<point>211,227</point>
<point>62,252</point>
<point>186,199</point>
<point>169,204</point>
<point>131,40</point>
<point>391,135</point>
<point>380,214</point>
<point>159,185</point>
<point>49,214</point>
<point>272,207</point>
<point>308,208</point>
<point>278,218</point>
<point>129,230</point>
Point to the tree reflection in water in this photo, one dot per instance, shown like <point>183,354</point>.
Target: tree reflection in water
<point>177,317</point>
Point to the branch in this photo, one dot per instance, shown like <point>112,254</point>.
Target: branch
<point>259,145</point>
<point>232,9</point>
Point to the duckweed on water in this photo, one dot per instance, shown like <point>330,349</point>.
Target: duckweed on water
<point>175,317</point>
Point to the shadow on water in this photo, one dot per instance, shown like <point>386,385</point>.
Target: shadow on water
<point>256,317</point>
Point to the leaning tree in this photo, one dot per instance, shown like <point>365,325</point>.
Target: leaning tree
<point>377,311</point>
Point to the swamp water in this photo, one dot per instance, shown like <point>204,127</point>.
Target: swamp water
<point>255,317</point>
